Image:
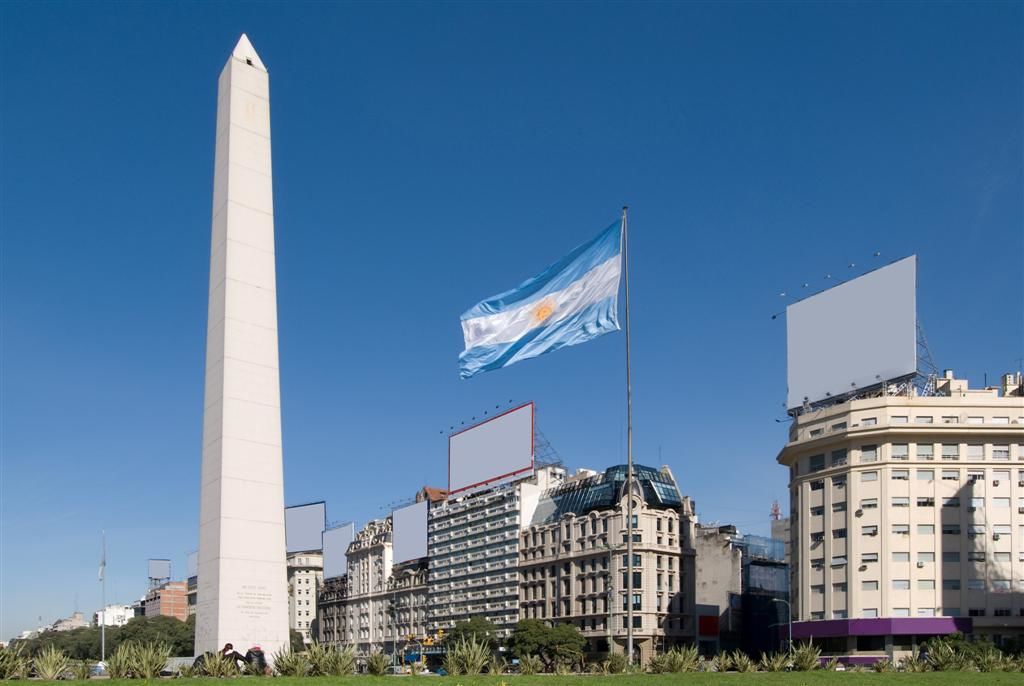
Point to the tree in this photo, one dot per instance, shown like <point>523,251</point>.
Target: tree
<point>561,644</point>
<point>477,628</point>
<point>84,643</point>
<point>298,644</point>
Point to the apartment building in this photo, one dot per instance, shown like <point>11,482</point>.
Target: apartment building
<point>305,576</point>
<point>573,563</point>
<point>168,599</point>
<point>473,546</point>
<point>907,517</point>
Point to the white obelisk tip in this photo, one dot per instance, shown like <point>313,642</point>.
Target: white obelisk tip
<point>246,53</point>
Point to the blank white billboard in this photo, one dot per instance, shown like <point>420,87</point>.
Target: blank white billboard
<point>192,564</point>
<point>491,452</point>
<point>409,531</point>
<point>159,569</point>
<point>336,542</point>
<point>855,335</point>
<point>304,526</point>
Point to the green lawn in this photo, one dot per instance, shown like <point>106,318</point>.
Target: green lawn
<point>689,679</point>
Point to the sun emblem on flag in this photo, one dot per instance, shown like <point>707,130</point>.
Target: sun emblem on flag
<point>544,310</point>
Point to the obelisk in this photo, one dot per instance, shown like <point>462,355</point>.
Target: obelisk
<point>242,595</point>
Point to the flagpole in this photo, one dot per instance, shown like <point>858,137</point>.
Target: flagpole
<point>103,601</point>
<point>629,451</point>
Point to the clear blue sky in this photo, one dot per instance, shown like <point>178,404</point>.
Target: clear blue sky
<point>427,156</point>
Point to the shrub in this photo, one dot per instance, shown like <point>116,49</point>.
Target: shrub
<point>806,657</point>
<point>287,662</point>
<point>121,663</point>
<point>774,662</point>
<point>528,664</point>
<point>944,657</point>
<point>377,664</point>
<point>832,664</point>
<point>188,671</point>
<point>720,663</point>
<point>990,659</point>
<point>50,663</point>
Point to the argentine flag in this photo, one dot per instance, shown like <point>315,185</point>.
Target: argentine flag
<point>572,301</point>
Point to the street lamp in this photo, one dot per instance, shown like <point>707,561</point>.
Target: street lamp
<point>789,619</point>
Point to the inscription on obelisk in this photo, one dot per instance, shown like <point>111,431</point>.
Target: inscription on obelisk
<point>242,595</point>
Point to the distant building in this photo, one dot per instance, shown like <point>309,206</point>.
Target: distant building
<point>113,615</point>
<point>75,621</point>
<point>191,594</point>
<point>765,591</point>
<point>717,588</point>
<point>305,577</point>
<point>907,516</point>
<point>167,600</point>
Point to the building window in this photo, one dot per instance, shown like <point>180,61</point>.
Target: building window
<point>926,529</point>
<point>901,502</point>
<point>869,421</point>
<point>925,474</point>
<point>951,529</point>
<point>926,501</point>
<point>839,533</point>
<point>950,474</point>
<point>926,556</point>
<point>817,463</point>
<point>975,556</point>
<point>921,419</point>
<point>901,556</point>
<point>901,612</point>
<point>901,529</point>
<point>869,585</point>
<point>817,485</point>
<point>950,451</point>
<point>869,476</point>
<point>1001,452</point>
<point>925,451</point>
<point>926,584</point>
<point>899,419</point>
<point>975,584</point>
<point>839,507</point>
<point>951,584</point>
<point>870,530</point>
<point>899,451</point>
<point>951,556</point>
<point>868,557</point>
<point>900,475</point>
<point>951,502</point>
<point>838,614</point>
<point>869,612</point>
<point>839,457</point>
<point>838,560</point>
<point>869,503</point>
<point>869,453</point>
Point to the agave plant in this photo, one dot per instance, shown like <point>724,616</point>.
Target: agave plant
<point>806,657</point>
<point>774,662</point>
<point>121,663</point>
<point>287,662</point>
<point>742,662</point>
<point>342,661</point>
<point>497,665</point>
<point>883,666</point>
<point>528,664</point>
<point>188,671</point>
<point>50,663</point>
<point>832,664</point>
<point>151,659</point>
<point>944,657</point>
<point>615,663</point>
<point>912,664</point>
<point>377,664</point>
<point>990,659</point>
<point>82,669</point>
<point>14,664</point>
<point>679,660</point>
<point>721,663</point>
<point>473,655</point>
